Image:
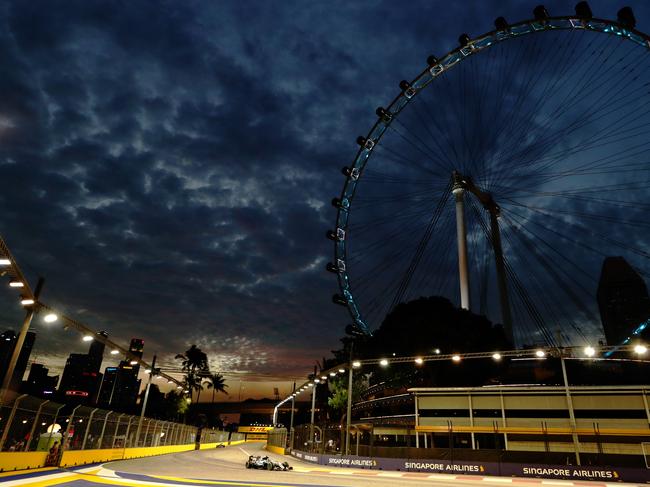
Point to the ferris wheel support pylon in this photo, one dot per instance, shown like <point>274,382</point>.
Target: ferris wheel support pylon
<point>461,231</point>
<point>506,316</point>
<point>460,185</point>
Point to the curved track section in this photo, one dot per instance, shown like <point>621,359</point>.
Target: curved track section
<point>225,466</point>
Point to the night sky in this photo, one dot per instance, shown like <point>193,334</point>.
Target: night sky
<point>168,166</point>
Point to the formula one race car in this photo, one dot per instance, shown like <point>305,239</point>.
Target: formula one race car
<point>265,463</point>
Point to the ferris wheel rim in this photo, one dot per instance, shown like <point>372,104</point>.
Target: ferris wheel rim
<point>424,79</point>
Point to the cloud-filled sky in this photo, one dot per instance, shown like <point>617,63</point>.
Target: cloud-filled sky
<point>168,166</point>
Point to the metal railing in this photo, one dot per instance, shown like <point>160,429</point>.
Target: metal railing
<point>34,424</point>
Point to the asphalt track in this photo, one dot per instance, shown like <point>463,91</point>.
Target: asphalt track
<point>225,467</point>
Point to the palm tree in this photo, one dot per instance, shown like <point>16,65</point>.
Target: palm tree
<point>193,360</point>
<point>217,383</point>
<point>194,364</point>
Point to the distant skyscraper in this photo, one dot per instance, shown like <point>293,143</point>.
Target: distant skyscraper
<point>39,383</point>
<point>137,347</point>
<point>96,351</point>
<point>128,384</point>
<point>622,299</point>
<point>107,390</point>
<point>7,344</point>
<point>80,380</point>
<point>81,377</point>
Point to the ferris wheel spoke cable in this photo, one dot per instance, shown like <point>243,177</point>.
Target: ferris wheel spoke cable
<point>443,136</point>
<point>509,116</point>
<point>406,278</point>
<point>561,235</point>
<point>397,236</point>
<point>527,302</point>
<point>405,161</point>
<point>562,70</point>
<point>587,230</point>
<point>400,238</point>
<point>431,270</point>
<point>604,201</point>
<point>596,139</point>
<point>554,271</point>
<point>516,222</point>
<point>589,216</point>
<point>521,292</point>
<point>504,191</point>
<point>399,217</point>
<point>436,139</point>
<point>421,146</point>
<point>579,87</point>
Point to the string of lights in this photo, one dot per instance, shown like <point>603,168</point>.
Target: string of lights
<point>9,267</point>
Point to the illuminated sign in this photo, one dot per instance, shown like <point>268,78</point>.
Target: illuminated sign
<point>76,393</point>
<point>254,429</point>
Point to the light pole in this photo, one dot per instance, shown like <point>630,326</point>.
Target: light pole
<point>20,341</point>
<point>146,398</point>
<point>313,410</point>
<point>348,419</point>
<point>569,401</point>
<point>293,405</point>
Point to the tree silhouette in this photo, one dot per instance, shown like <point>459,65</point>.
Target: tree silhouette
<point>217,383</point>
<point>427,324</point>
<point>194,363</point>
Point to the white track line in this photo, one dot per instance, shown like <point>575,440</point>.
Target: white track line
<point>37,478</point>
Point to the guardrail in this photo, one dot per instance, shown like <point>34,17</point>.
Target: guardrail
<point>35,433</point>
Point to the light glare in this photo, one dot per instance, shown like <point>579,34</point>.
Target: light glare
<point>640,349</point>
<point>590,351</point>
<point>456,358</point>
<point>383,362</point>
<point>50,318</point>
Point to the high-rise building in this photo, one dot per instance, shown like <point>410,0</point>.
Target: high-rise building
<point>8,341</point>
<point>96,351</point>
<point>623,300</point>
<point>39,383</point>
<point>137,347</point>
<point>80,380</point>
<point>127,383</point>
<point>107,390</point>
<point>81,377</point>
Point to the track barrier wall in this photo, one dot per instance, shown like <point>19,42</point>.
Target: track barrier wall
<point>31,427</point>
<point>275,449</point>
<point>565,472</point>
<point>21,460</point>
<point>207,446</point>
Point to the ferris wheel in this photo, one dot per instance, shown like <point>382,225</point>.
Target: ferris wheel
<point>502,176</point>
